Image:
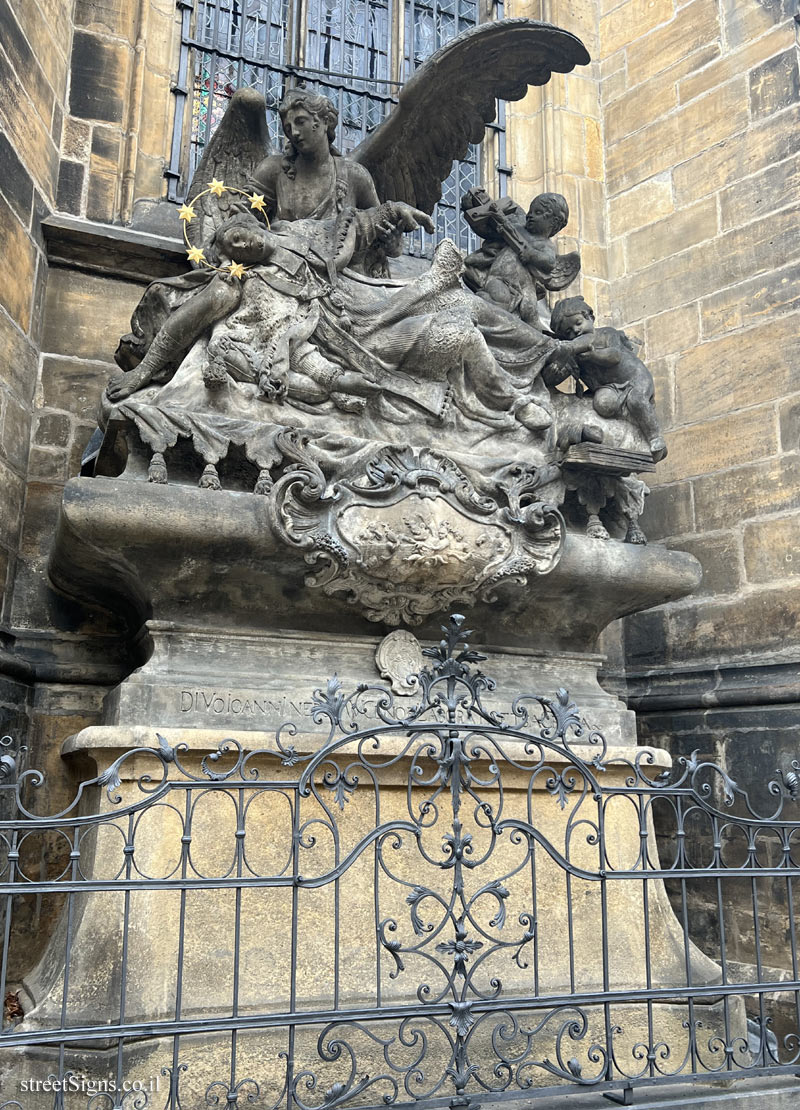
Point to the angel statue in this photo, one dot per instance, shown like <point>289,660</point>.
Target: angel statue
<point>517,262</point>
<point>395,178</point>
<point>291,318</point>
<point>407,157</point>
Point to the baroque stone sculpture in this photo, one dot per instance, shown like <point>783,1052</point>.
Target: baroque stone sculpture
<point>407,435</point>
<point>517,262</point>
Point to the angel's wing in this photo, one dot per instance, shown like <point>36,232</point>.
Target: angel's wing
<point>564,272</point>
<point>448,101</point>
<point>231,155</point>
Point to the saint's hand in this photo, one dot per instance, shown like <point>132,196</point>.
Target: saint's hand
<point>397,216</point>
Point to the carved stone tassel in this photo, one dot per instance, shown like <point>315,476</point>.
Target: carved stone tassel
<point>157,470</point>
<point>263,483</point>
<point>209,479</point>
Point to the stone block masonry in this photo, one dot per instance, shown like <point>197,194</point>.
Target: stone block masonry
<point>701,139</point>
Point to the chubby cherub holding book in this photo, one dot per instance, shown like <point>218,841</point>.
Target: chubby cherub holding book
<point>605,360</point>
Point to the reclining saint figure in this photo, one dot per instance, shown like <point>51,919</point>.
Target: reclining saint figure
<point>305,326</point>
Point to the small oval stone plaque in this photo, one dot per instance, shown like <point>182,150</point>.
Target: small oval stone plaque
<point>398,658</point>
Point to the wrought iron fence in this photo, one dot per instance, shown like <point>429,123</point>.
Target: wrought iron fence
<point>423,901</point>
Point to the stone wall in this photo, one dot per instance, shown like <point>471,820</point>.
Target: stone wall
<point>700,118</point>
<point>119,125</point>
<point>85,126</point>
<point>554,144</point>
<point>35,42</point>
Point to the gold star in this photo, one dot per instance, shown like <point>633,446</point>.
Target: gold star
<point>187,213</point>
<point>216,187</point>
<point>196,254</point>
<point>257,202</point>
<point>237,269</point>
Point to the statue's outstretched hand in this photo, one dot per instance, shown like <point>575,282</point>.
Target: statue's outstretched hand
<point>399,216</point>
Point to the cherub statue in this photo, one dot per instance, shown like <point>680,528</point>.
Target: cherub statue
<point>605,360</point>
<point>517,262</point>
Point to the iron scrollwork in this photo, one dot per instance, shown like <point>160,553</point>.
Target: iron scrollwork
<point>498,920</point>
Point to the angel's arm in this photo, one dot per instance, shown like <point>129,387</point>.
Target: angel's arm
<point>364,192</point>
<point>264,182</point>
<point>537,253</point>
<point>599,347</point>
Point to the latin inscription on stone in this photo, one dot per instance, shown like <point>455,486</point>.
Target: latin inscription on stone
<point>224,703</point>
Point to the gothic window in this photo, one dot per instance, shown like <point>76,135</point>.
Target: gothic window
<point>357,52</point>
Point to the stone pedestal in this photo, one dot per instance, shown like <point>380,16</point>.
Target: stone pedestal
<point>236,640</point>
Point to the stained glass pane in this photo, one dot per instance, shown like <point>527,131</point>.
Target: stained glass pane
<point>238,43</point>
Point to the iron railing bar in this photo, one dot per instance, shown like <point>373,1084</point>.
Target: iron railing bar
<point>648,967</point>
<point>684,920</point>
<point>742,822</point>
<point>793,937</point>
<point>12,865</point>
<point>376,897</point>
<point>169,1027</point>
<point>570,930</point>
<point>724,966</point>
<point>185,843</point>
<point>96,885</point>
<point>65,820</point>
<point>68,934</point>
<point>237,930</point>
<point>759,969</point>
<point>296,825</point>
<point>126,920</point>
<point>602,859</point>
<point>535,922</point>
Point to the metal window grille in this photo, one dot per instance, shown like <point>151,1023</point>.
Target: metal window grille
<point>357,52</point>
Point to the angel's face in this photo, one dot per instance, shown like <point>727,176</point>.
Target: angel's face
<point>540,220</point>
<point>577,323</point>
<point>305,131</point>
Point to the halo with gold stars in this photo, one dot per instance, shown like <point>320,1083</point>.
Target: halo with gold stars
<point>187,213</point>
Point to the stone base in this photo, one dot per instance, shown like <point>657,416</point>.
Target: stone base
<point>206,1062</point>
<point>251,682</point>
<point>747,1094</point>
<point>261,917</point>
<point>172,552</point>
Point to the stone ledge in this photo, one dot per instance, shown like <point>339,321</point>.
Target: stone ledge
<point>751,1094</point>
<point>713,686</point>
<point>107,742</point>
<point>119,252</point>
